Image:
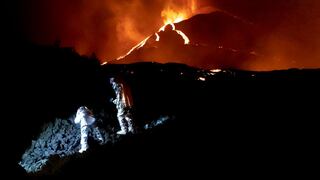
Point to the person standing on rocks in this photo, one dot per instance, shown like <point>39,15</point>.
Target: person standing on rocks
<point>123,102</point>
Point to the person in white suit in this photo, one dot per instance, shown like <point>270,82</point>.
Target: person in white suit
<point>85,118</point>
<point>123,102</point>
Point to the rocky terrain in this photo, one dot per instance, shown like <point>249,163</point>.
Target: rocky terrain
<point>198,120</point>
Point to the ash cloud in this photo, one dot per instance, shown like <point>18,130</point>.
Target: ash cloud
<point>107,28</point>
<point>289,30</point>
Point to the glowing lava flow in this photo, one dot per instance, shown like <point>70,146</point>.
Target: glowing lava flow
<point>140,45</point>
<point>170,17</point>
<point>184,36</point>
<point>157,37</point>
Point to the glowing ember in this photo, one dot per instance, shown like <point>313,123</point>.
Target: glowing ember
<point>216,70</point>
<point>202,79</point>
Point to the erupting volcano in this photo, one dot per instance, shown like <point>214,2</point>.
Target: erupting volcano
<point>113,83</point>
<point>215,38</point>
<point>210,41</point>
<point>241,34</point>
<point>170,17</point>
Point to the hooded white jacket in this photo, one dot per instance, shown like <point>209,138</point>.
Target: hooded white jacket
<point>84,117</point>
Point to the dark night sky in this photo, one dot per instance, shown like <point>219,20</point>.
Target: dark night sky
<point>110,27</point>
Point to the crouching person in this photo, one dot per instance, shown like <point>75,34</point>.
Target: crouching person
<point>85,118</point>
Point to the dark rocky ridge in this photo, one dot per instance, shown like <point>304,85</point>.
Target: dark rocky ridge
<point>234,120</point>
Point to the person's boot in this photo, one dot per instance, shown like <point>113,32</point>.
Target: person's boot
<point>122,132</point>
<point>82,150</point>
<point>98,134</point>
<point>131,127</point>
<point>123,126</point>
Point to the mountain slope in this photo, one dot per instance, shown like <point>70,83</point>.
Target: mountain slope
<point>217,40</point>
<point>220,116</point>
<point>235,121</point>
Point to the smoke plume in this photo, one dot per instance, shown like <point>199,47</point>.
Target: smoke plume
<point>109,28</point>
